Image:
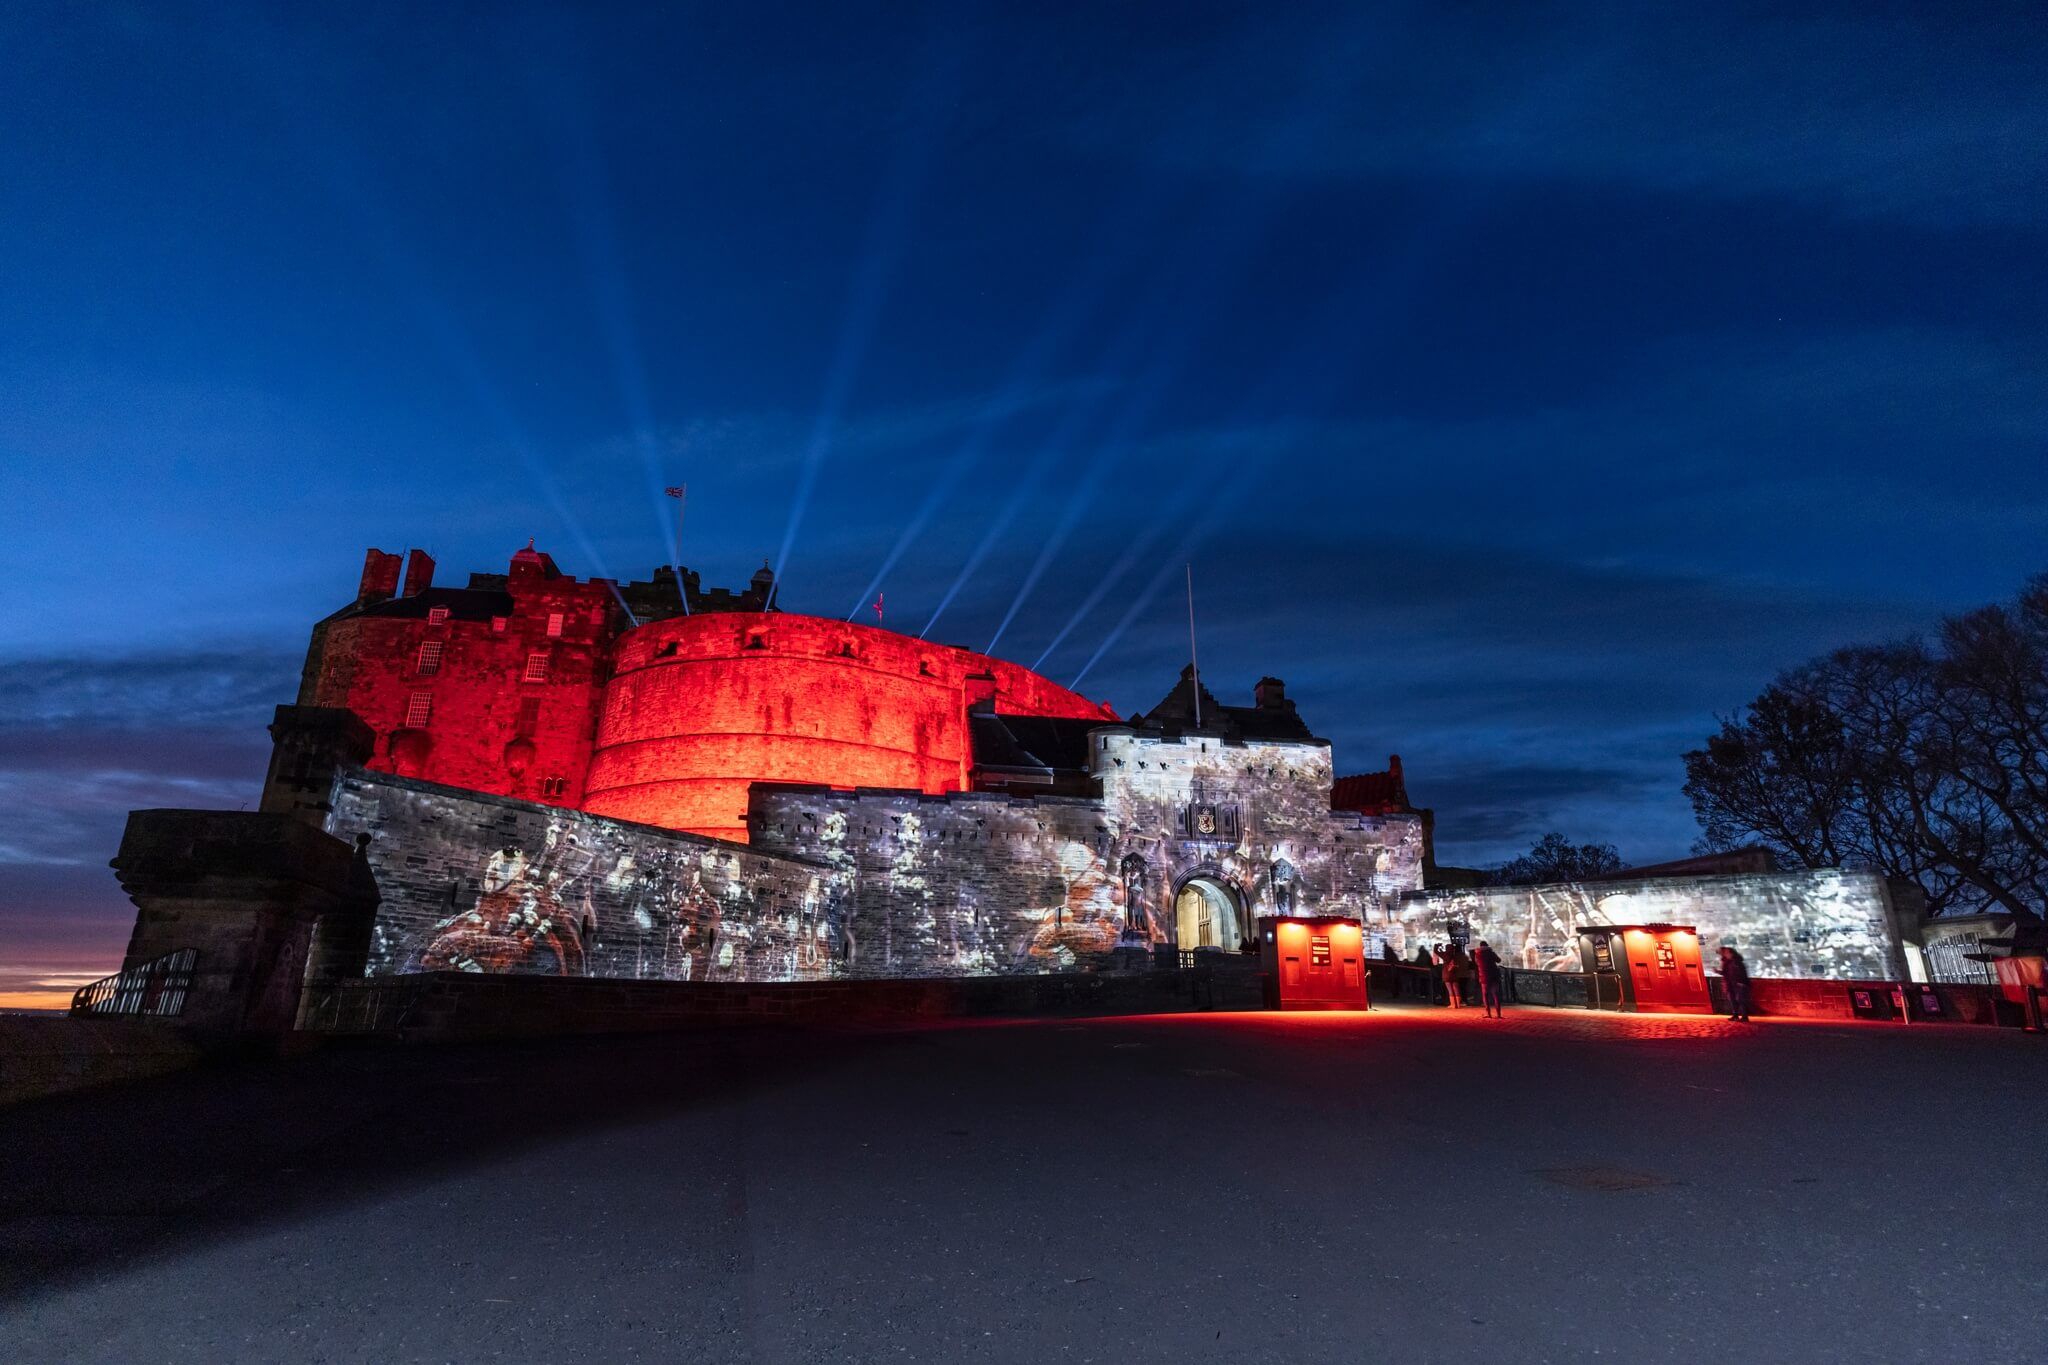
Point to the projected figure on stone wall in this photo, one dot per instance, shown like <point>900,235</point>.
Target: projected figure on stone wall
<point>518,923</point>
<point>1083,916</point>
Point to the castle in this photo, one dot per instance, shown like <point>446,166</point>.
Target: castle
<point>534,773</point>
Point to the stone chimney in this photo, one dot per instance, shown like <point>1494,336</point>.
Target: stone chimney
<point>309,744</point>
<point>419,573</point>
<point>531,566</point>
<point>1270,694</point>
<point>380,579</point>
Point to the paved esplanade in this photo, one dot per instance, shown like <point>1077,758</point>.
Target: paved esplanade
<point>1405,1187</point>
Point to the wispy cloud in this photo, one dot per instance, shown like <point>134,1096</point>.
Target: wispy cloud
<point>1934,116</point>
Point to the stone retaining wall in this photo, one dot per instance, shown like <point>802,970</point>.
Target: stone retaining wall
<point>446,1006</point>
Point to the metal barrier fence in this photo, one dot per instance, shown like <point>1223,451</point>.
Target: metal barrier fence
<point>1567,990</point>
<point>155,988</point>
<point>1404,981</point>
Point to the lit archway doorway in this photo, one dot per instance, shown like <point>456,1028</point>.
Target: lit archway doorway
<point>1205,915</point>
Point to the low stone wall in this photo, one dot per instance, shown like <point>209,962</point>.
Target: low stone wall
<point>1806,999</point>
<point>1781,997</point>
<point>48,1054</point>
<point>448,1006</point>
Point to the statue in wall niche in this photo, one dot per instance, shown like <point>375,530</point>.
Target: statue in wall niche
<point>1137,915</point>
<point>1281,874</point>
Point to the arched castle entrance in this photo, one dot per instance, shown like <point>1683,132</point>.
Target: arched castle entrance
<point>1208,913</point>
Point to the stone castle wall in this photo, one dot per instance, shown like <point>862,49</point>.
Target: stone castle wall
<point>1824,923</point>
<point>472,882</point>
<point>965,884</point>
<point>1270,832</point>
<point>866,883</point>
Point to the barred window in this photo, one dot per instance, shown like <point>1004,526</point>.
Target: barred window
<point>554,623</point>
<point>429,660</point>
<point>537,666</point>
<point>419,707</point>
<point>436,615</point>
<point>498,624</point>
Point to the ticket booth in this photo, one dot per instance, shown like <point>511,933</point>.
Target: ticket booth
<point>1657,966</point>
<point>1313,964</point>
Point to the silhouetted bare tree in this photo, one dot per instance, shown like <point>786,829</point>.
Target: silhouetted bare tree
<point>1554,858</point>
<point>1925,759</point>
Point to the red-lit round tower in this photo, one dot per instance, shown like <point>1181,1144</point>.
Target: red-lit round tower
<point>701,707</point>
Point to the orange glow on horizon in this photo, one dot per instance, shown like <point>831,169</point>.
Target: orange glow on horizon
<point>38,998</point>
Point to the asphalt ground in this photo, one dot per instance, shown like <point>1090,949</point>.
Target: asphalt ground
<point>1405,1186</point>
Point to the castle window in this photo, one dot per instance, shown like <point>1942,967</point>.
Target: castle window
<point>418,708</point>
<point>436,615</point>
<point>498,624</point>
<point>429,660</point>
<point>529,716</point>
<point>537,666</point>
<point>554,624</point>
<point>554,786</point>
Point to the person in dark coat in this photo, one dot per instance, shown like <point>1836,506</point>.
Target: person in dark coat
<point>1735,976</point>
<point>1427,961</point>
<point>1487,963</point>
<point>1456,968</point>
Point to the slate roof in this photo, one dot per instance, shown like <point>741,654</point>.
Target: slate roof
<point>464,604</point>
<point>1049,743</point>
<point>1176,711</point>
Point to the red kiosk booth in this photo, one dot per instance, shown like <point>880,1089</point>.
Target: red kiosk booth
<point>1313,963</point>
<point>1657,965</point>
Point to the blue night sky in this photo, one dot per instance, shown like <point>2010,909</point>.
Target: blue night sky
<point>1526,384</point>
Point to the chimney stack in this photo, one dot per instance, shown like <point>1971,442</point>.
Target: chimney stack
<point>419,573</point>
<point>1270,694</point>
<point>380,579</point>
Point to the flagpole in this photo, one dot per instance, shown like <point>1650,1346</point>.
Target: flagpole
<point>1194,663</point>
<point>681,493</point>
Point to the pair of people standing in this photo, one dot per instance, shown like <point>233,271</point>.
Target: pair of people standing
<point>1478,972</point>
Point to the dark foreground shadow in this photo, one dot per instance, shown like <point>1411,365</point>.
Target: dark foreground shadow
<point>111,1178</point>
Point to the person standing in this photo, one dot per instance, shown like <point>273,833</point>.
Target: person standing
<point>1426,960</point>
<point>1454,976</point>
<point>1735,976</point>
<point>1487,961</point>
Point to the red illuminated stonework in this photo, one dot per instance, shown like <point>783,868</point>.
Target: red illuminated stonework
<point>700,708</point>
<point>536,685</point>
